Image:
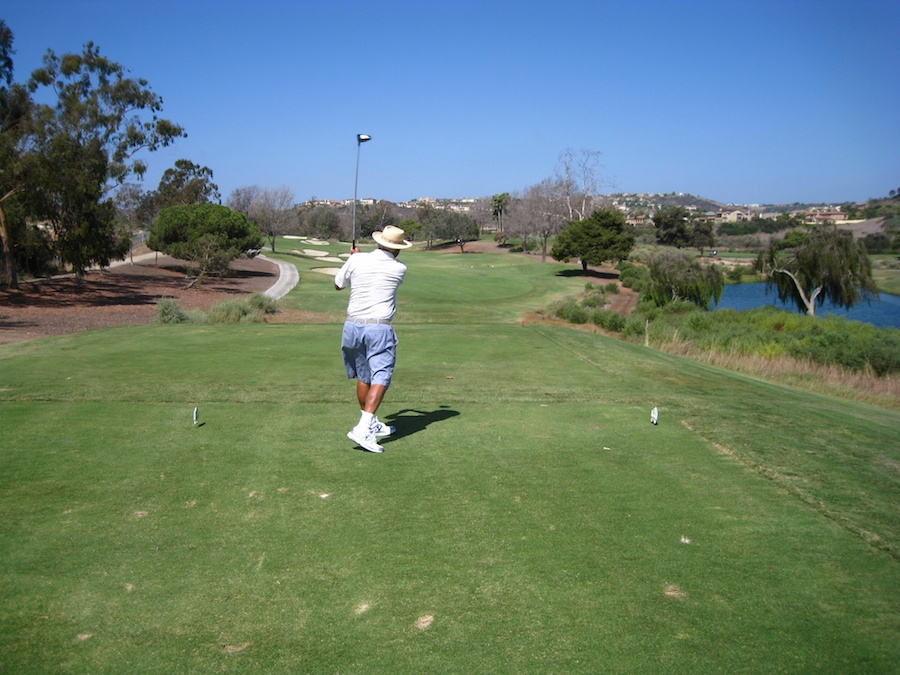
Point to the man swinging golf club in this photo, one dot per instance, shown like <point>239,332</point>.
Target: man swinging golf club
<point>368,342</point>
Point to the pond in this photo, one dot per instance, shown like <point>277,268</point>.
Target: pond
<point>882,312</point>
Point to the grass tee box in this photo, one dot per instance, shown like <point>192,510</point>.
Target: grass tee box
<point>526,516</point>
<point>753,530</point>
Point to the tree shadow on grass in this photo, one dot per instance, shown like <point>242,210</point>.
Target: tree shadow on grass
<point>409,421</point>
<point>588,274</point>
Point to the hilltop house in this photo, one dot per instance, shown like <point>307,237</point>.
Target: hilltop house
<point>733,216</point>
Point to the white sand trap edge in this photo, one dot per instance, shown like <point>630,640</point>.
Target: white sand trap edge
<point>310,252</point>
<point>325,270</point>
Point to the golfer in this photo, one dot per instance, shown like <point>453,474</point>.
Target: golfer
<point>368,342</point>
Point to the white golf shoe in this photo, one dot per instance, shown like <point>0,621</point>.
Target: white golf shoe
<point>379,428</point>
<point>364,439</point>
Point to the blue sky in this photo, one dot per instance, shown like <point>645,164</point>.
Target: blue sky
<point>742,101</point>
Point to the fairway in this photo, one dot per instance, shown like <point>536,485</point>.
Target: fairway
<point>526,516</point>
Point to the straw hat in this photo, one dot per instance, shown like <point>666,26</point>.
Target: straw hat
<point>392,237</point>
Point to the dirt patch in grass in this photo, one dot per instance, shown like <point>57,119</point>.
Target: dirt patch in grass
<point>673,591</point>
<point>234,649</point>
<point>424,622</point>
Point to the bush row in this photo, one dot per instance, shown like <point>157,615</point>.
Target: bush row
<point>773,332</point>
<point>766,331</point>
<point>252,309</point>
<point>581,313</point>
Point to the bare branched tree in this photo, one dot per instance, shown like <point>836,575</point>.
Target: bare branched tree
<point>579,181</point>
<point>538,213</point>
<point>482,213</point>
<point>242,198</point>
<point>272,211</point>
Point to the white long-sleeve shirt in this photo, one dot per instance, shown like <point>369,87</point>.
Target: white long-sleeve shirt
<point>374,278</point>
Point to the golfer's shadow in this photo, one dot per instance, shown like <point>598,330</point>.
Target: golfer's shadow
<point>409,421</point>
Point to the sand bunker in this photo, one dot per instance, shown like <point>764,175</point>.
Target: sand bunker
<point>319,255</point>
<point>325,270</point>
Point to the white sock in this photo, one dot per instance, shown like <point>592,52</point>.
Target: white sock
<point>365,419</point>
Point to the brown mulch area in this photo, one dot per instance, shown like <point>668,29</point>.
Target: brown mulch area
<point>119,296</point>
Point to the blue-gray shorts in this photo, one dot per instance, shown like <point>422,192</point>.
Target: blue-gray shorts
<point>370,351</point>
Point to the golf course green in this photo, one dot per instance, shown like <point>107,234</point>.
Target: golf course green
<point>525,517</point>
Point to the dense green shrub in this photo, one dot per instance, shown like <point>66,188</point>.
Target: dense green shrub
<point>632,276</point>
<point>700,322</point>
<point>244,310</point>
<point>609,320</point>
<point>262,303</point>
<point>209,236</point>
<point>833,340</point>
<point>169,311</point>
<point>635,325</point>
<point>572,312</point>
<point>594,299</point>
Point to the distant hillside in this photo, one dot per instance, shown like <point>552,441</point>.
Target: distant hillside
<point>690,201</point>
<point>649,201</point>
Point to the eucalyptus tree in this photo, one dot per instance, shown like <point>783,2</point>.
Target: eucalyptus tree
<point>825,262</point>
<point>15,108</point>
<point>186,183</point>
<point>85,144</point>
<point>129,201</point>
<point>578,181</point>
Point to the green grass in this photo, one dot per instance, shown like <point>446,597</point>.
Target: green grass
<point>755,529</point>
<point>473,288</point>
<point>886,272</point>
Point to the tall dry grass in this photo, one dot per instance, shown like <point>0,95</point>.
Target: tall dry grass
<point>862,386</point>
